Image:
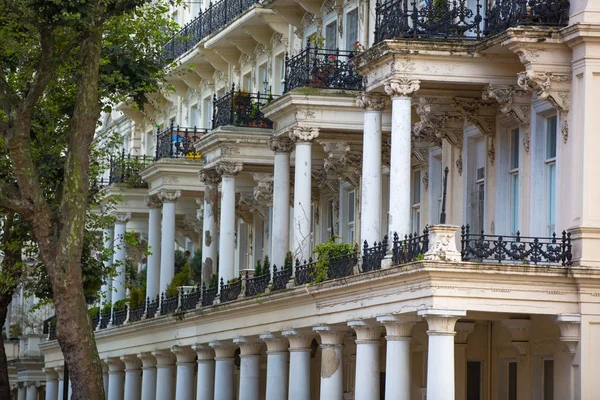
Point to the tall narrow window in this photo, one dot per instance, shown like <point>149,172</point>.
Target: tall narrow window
<point>473,380</point>
<point>351,209</point>
<point>194,115</point>
<point>514,181</point>
<point>331,36</point>
<point>548,379</point>
<point>247,82</point>
<point>351,30</point>
<point>512,380</point>
<point>416,201</point>
<point>264,82</point>
<point>280,74</point>
<point>477,203</point>
<point>550,161</point>
<point>208,112</point>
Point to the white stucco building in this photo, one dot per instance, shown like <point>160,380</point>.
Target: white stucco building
<point>291,122</point>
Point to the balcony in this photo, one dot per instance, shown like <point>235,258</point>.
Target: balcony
<point>124,169</point>
<point>321,68</point>
<point>178,142</point>
<point>445,20</point>
<point>240,108</point>
<point>216,17</point>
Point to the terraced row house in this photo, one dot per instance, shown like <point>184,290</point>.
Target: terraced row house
<point>452,145</point>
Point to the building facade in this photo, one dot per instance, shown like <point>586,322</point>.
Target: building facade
<point>446,143</point>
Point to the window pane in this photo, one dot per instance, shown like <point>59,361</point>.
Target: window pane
<point>514,203</point>
<point>351,28</point>
<point>548,379</point>
<point>551,137</point>
<point>473,380</point>
<point>351,206</point>
<point>416,187</point>
<point>512,381</point>
<point>551,196</point>
<point>331,36</point>
<point>514,149</point>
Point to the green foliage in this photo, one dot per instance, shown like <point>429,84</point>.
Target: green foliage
<point>196,264</point>
<point>289,260</point>
<point>267,266</point>
<point>137,296</point>
<point>141,278</point>
<point>182,278</point>
<point>180,260</point>
<point>258,268</point>
<point>94,312</point>
<point>119,305</point>
<point>214,281</point>
<point>420,257</point>
<point>106,308</point>
<point>15,331</point>
<point>324,250</point>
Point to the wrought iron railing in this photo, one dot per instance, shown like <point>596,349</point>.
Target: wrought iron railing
<point>508,13</point>
<point>281,277</point>
<point>119,316</point>
<point>454,19</point>
<point>528,250</point>
<point>168,304</point>
<point>104,319</point>
<point>95,321</point>
<point>190,299</point>
<point>208,295</point>
<point>215,17</point>
<point>136,313</point>
<point>52,333</point>
<point>177,142</point>
<point>230,291</point>
<point>342,265</point>
<point>321,68</point>
<point>372,256</point>
<point>240,108</point>
<point>411,248</point>
<point>258,284</point>
<point>124,169</point>
<point>152,307</point>
<point>305,272</point>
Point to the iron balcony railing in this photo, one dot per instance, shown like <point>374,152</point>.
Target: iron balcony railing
<point>257,285</point>
<point>152,306</point>
<point>215,17</point>
<point>412,248</point>
<point>119,316</point>
<point>124,169</point>
<point>208,295</point>
<point>178,142</point>
<point>321,68</point>
<point>527,250</point>
<point>455,19</point>
<point>281,277</point>
<point>104,319</point>
<point>168,304</point>
<point>240,108</point>
<point>230,291</point>
<point>190,299</point>
<point>136,313</point>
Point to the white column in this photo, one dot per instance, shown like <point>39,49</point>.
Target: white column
<point>300,348</point>
<point>120,256</point>
<point>133,377</point>
<point>154,235</point>
<point>228,172</point>
<point>167,240</point>
<point>397,357</point>
<point>302,189</point>
<point>186,357</point>
<point>148,376</point>
<point>104,379</point>
<point>371,191</point>
<point>205,386</point>
<point>209,229</point>
<point>105,290</point>
<point>32,391</point>
<point>165,369</point>
<point>116,379</point>
<point>367,360</point>
<point>61,382</point>
<point>249,368</point>
<point>463,330</point>
<point>332,376</point>
<point>223,370</point>
<point>51,384</point>
<point>282,147</point>
<point>22,391</point>
<point>399,208</point>
<point>277,366</point>
<point>440,356</point>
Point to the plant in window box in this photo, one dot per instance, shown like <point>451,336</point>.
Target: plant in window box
<point>318,41</point>
<point>357,47</point>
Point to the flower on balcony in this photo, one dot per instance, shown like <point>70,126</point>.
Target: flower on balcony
<point>357,47</point>
<point>332,59</point>
<point>318,41</point>
<point>193,155</point>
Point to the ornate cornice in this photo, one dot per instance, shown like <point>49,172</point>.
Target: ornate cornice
<point>281,144</point>
<point>371,101</point>
<point>263,192</point>
<point>548,86</point>
<point>402,87</point>
<point>507,96</point>
<point>436,124</point>
<point>228,168</point>
<point>478,113</point>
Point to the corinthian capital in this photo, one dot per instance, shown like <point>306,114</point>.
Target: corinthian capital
<point>228,168</point>
<point>122,217</point>
<point>372,101</point>
<point>169,195</point>
<point>304,134</point>
<point>209,177</point>
<point>402,87</point>
<point>153,201</point>
<point>281,144</point>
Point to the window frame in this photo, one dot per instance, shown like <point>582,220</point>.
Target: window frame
<point>350,44</point>
<point>514,178</point>
<point>550,170</point>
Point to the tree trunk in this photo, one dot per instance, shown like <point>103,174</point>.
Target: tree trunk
<point>4,382</point>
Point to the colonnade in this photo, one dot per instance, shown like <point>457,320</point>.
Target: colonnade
<point>206,371</point>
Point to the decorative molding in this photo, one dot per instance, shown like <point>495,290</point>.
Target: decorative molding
<point>505,96</point>
<point>281,144</point>
<point>492,152</point>
<point>570,330</point>
<point>474,112</point>
<point>425,180</point>
<point>121,217</point>
<point>304,134</point>
<point>210,177</point>
<point>372,101</point>
<point>402,87</point>
<point>169,195</point>
<point>263,192</point>
<point>421,155</point>
<point>564,125</point>
<point>153,201</point>
<point>441,322</point>
<point>436,124</point>
<point>459,164</point>
<point>548,86</point>
<point>526,141</point>
<point>228,168</point>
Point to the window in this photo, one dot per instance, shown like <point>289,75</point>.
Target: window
<point>548,379</point>
<point>416,201</point>
<point>208,112</point>
<point>280,71</point>
<point>477,202</point>
<point>175,16</point>
<point>351,28</point>
<point>242,238</point>
<point>351,209</point>
<point>194,115</point>
<point>550,161</point>
<point>512,380</point>
<point>514,181</point>
<point>473,380</point>
<point>247,82</point>
<point>331,36</point>
<point>264,80</point>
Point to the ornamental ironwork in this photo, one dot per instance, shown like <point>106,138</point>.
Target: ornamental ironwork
<point>321,68</point>
<point>305,272</point>
<point>534,250</point>
<point>215,17</point>
<point>258,284</point>
<point>95,321</point>
<point>342,265</point>
<point>119,316</point>
<point>372,256</point>
<point>241,108</point>
<point>505,14</point>
<point>178,142</point>
<point>137,313</point>
<point>431,20</point>
<point>124,169</point>
<point>411,248</point>
<point>281,278</point>
<point>190,299</point>
<point>52,333</point>
<point>104,319</point>
<point>231,291</point>
<point>168,304</point>
<point>152,307</point>
<point>208,295</point>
